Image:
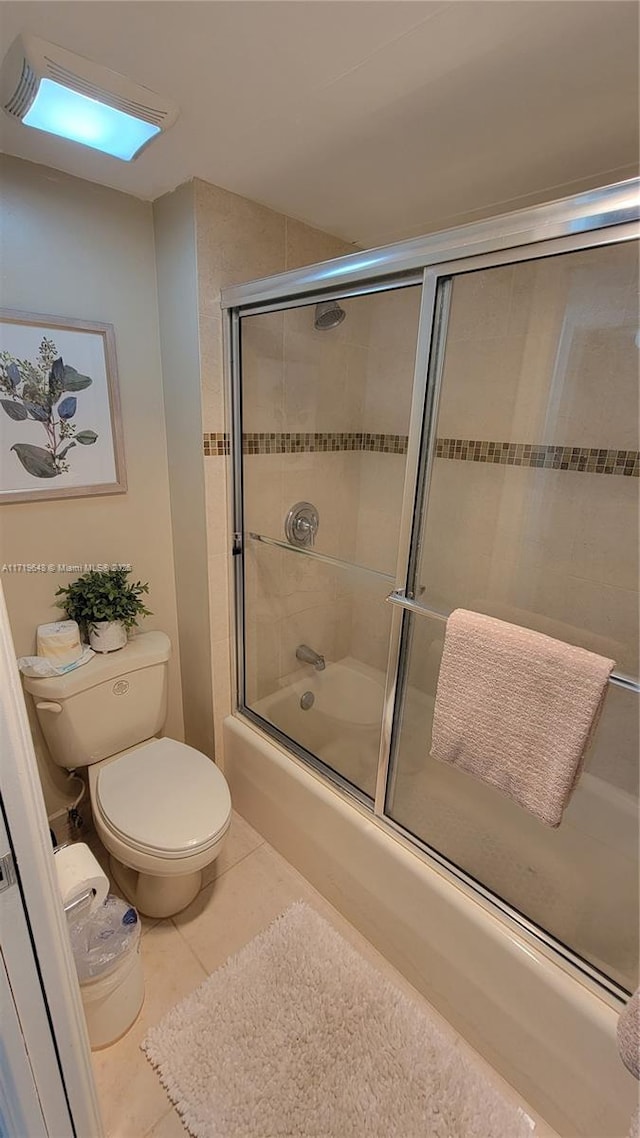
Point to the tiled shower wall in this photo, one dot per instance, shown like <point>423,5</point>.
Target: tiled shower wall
<point>546,538</point>
<point>386,410</point>
<point>315,386</point>
<point>238,240</point>
<point>337,406</point>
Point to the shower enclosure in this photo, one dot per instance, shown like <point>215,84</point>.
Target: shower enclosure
<point>450,422</point>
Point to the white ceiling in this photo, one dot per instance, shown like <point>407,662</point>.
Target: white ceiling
<point>371,119</point>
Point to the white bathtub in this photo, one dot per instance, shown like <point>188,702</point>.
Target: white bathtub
<point>342,726</point>
<point>580,882</point>
<point>547,1032</point>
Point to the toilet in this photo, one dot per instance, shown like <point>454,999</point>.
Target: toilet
<point>161,808</point>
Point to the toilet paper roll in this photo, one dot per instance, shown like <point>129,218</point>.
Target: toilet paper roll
<point>78,871</point>
<point>59,641</point>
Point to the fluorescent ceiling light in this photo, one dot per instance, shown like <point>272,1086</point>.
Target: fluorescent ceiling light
<point>59,110</point>
<point>58,92</point>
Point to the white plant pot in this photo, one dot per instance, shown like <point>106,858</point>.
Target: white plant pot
<point>107,635</point>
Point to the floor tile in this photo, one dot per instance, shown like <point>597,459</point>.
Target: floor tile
<point>168,1127</point>
<point>255,886</point>
<point>237,905</point>
<point>241,840</point>
<point>131,1096</point>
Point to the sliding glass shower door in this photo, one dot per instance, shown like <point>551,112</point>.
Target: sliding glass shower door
<point>326,400</point>
<point>529,513</point>
<point>459,429</point>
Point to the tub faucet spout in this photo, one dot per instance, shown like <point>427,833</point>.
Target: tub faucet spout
<point>303,652</point>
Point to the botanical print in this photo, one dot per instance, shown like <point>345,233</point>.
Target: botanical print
<point>41,390</point>
<point>59,414</point>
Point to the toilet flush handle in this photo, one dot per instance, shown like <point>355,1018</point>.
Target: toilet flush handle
<point>54,708</point>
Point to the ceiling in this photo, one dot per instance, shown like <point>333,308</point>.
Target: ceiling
<point>371,119</point>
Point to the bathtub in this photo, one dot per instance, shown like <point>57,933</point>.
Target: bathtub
<point>548,1032</point>
<point>553,875</point>
<point>342,725</point>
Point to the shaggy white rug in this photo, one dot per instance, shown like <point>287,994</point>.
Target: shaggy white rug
<point>297,1036</point>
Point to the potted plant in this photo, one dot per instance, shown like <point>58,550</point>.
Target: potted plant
<point>105,605</point>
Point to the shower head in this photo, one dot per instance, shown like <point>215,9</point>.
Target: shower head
<point>328,315</point>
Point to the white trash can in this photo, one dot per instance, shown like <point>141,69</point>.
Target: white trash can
<point>106,949</point>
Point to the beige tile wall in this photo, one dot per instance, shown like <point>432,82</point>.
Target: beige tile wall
<point>238,240</point>
<point>175,246</point>
<point>386,409</point>
<point>356,377</point>
<point>536,351</point>
<point>298,379</point>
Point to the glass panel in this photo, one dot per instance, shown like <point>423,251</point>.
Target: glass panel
<point>325,421</point>
<point>532,517</point>
<point>335,711</point>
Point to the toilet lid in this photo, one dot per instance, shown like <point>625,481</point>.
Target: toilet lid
<point>165,797</point>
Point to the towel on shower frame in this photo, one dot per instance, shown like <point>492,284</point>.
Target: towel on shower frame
<point>517,709</point>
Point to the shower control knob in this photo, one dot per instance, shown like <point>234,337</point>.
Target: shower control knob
<point>301,524</point>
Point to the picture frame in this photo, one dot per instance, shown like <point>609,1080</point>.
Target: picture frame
<point>60,419</point>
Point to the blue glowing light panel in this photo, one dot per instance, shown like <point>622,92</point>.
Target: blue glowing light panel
<point>59,110</point>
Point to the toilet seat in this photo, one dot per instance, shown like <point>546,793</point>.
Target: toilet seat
<point>164,798</point>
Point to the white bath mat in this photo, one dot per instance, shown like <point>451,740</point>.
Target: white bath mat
<point>299,1037</point>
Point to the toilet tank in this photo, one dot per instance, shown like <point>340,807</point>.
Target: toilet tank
<point>115,701</point>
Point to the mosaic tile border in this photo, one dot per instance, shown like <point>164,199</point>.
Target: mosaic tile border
<point>589,460</point>
<point>279,442</point>
<point>216,443</point>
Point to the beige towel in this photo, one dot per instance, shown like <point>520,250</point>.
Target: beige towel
<point>629,1035</point>
<point>517,709</point>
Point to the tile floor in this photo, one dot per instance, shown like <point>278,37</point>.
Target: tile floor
<point>243,891</point>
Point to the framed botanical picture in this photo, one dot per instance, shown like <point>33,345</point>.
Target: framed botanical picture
<point>60,425</point>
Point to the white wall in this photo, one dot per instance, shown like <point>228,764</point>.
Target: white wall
<point>72,248</point>
<point>175,238</point>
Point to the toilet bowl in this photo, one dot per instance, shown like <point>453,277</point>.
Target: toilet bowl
<point>162,811</point>
<point>161,808</point>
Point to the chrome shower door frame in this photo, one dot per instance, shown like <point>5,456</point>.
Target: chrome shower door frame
<point>232,316</point>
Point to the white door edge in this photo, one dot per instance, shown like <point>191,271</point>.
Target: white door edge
<point>28,828</point>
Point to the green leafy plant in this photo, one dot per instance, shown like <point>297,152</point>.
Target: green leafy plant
<point>44,392</point>
<point>103,595</point>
